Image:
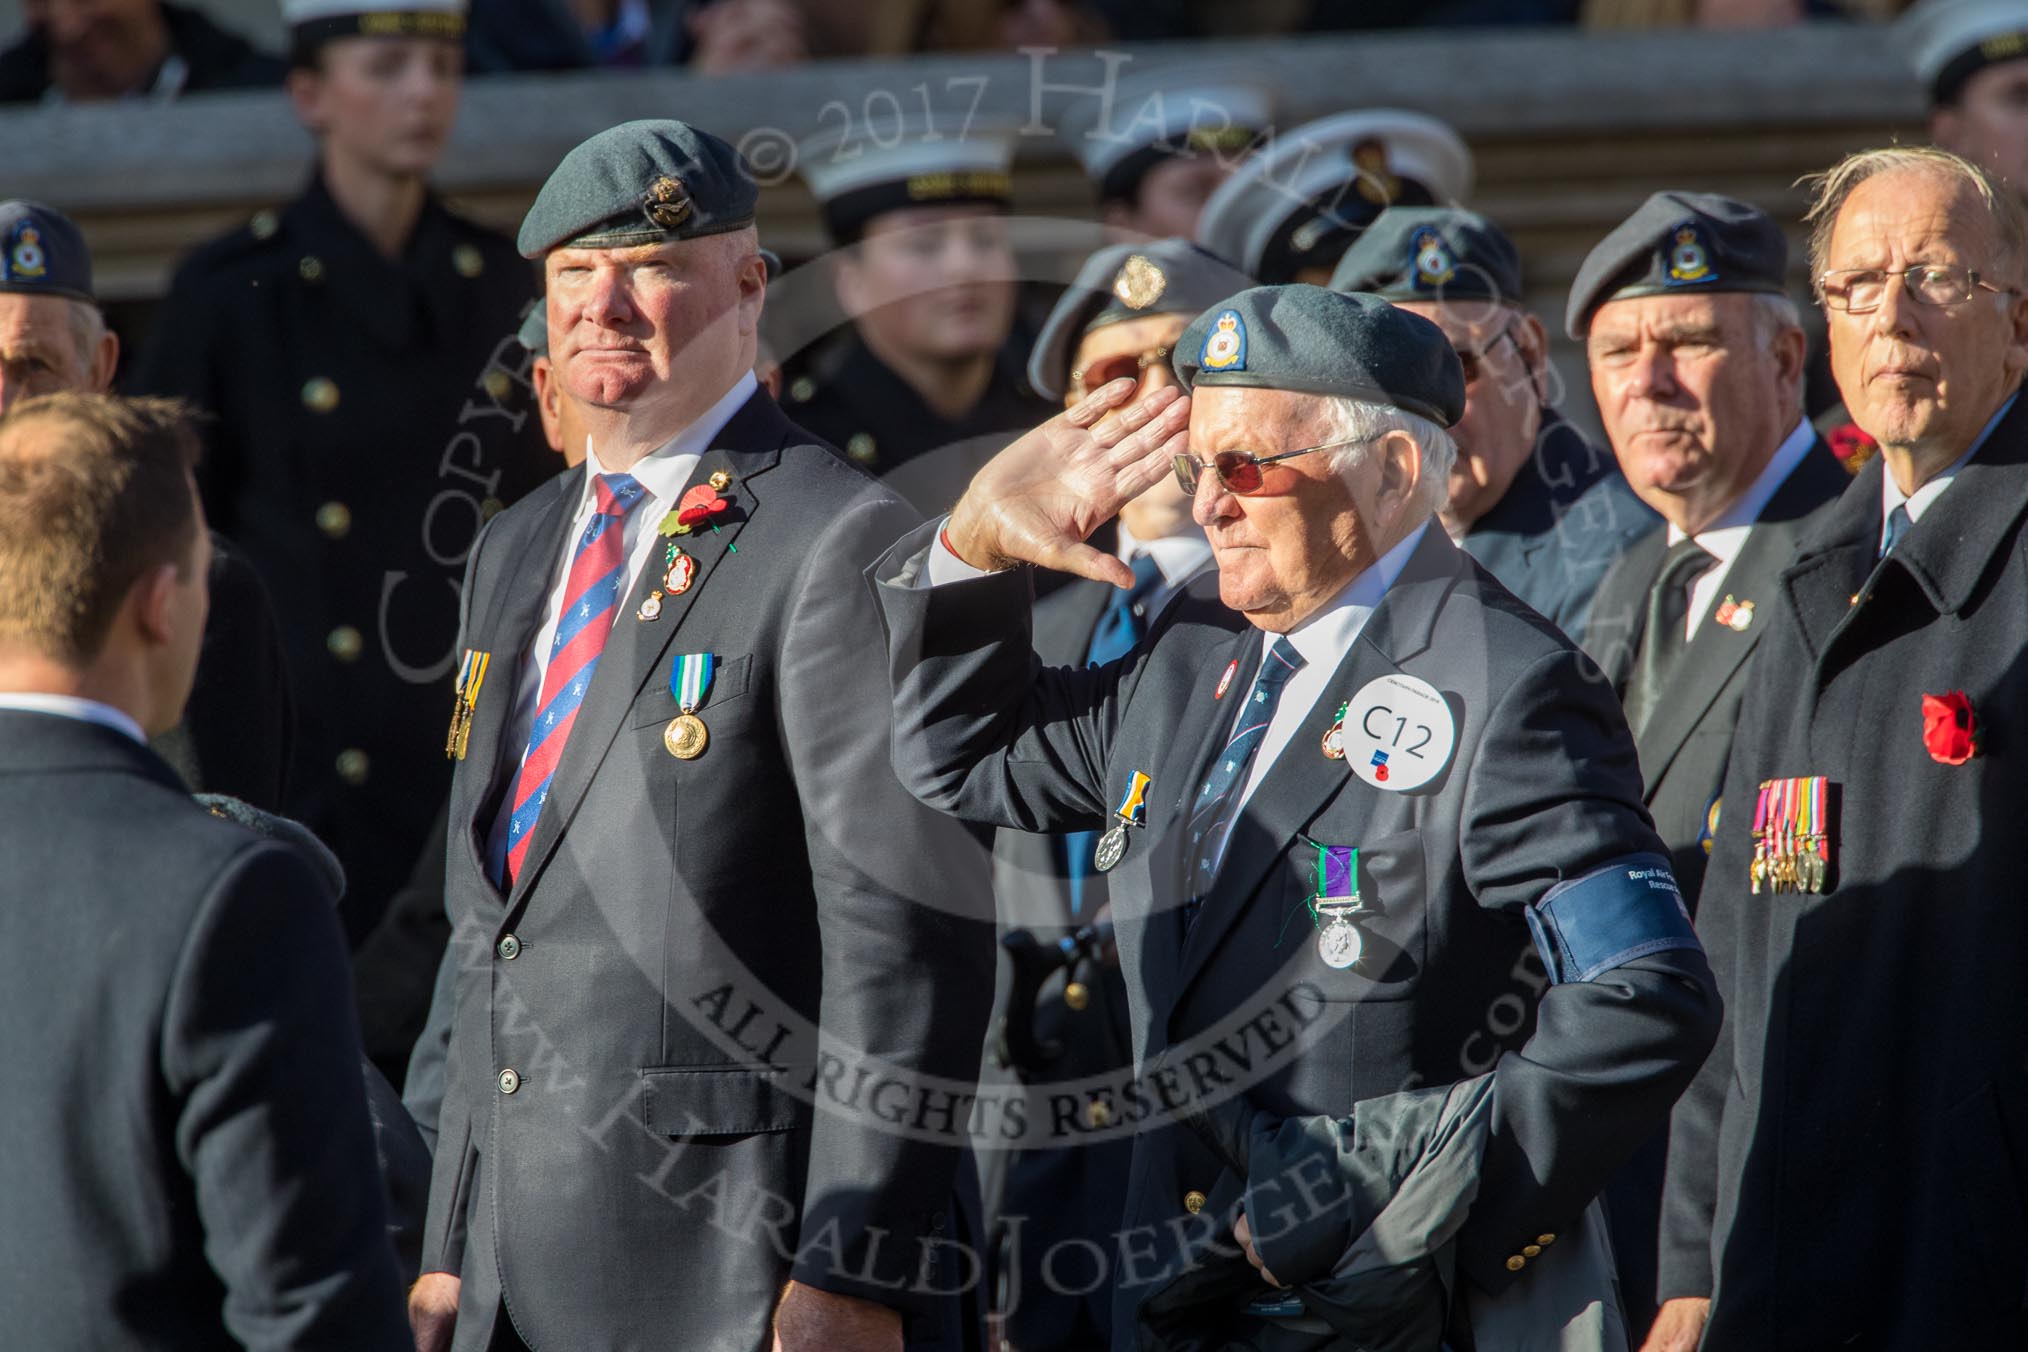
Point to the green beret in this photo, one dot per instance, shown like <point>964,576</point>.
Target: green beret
<point>42,253</point>
<point>1306,338</point>
<point>1431,254</point>
<point>1681,241</point>
<point>640,183</point>
<point>1122,282</point>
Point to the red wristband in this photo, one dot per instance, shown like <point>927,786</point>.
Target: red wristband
<point>944,539</point>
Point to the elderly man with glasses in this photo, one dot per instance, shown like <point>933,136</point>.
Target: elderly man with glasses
<point>1851,1169</point>
<point>1531,498</point>
<point>1335,809</point>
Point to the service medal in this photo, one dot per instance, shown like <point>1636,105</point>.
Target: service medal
<point>1112,847</point>
<point>1339,944</point>
<point>686,737</point>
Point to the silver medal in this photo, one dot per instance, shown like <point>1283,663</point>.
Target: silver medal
<point>1339,943</point>
<point>1112,847</point>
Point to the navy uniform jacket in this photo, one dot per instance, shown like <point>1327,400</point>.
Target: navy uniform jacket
<point>859,405</point>
<point>1851,1169</point>
<point>1568,514</point>
<point>188,1163</point>
<point>213,58</point>
<point>1542,790</point>
<point>655,1167</point>
<point>364,427</point>
<point>1684,747</point>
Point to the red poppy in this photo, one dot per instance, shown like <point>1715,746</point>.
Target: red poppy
<point>1852,446</point>
<point>699,505</point>
<point>1949,729</point>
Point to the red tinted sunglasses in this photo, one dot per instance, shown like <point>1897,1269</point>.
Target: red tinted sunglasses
<point>1241,472</point>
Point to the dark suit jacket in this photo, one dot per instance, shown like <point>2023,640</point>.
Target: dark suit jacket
<point>1851,1169</point>
<point>1543,788</point>
<point>1683,748</point>
<point>1559,526</point>
<point>188,1159</point>
<point>682,929</point>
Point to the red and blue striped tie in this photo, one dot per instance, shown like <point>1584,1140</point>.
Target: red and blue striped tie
<point>598,576</point>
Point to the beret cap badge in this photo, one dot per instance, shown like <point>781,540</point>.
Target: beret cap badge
<point>666,203</point>
<point>1225,345</point>
<point>1689,261</point>
<point>1432,260</point>
<point>1140,283</point>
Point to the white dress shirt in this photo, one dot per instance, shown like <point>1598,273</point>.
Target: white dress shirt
<point>73,706</point>
<point>664,473</point>
<point>1177,557</point>
<point>1725,537</point>
<point>1933,488</point>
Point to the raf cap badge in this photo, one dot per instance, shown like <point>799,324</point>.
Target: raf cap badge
<point>1140,283</point>
<point>1690,260</point>
<point>1431,258</point>
<point>666,203</point>
<point>1225,346</point>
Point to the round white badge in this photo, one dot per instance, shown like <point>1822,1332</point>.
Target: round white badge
<point>1399,733</point>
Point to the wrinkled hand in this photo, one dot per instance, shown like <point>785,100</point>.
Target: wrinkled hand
<point>735,35</point>
<point>810,1320</point>
<point>1678,1325</point>
<point>1242,1232</point>
<point>433,1311</point>
<point>1040,499</point>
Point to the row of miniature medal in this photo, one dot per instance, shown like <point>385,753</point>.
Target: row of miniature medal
<point>1791,835</point>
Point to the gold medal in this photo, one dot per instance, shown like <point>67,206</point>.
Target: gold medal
<point>686,737</point>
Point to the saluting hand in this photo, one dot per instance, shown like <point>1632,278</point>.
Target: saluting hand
<point>810,1319</point>
<point>1040,499</point>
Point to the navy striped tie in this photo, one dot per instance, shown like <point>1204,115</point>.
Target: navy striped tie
<point>1217,801</point>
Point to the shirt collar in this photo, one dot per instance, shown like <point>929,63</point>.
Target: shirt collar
<point>1328,635</point>
<point>1726,536</point>
<point>1177,556</point>
<point>665,470</point>
<point>1918,502</point>
<point>73,706</point>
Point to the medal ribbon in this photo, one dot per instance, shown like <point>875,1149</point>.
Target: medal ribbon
<point>1337,872</point>
<point>472,674</point>
<point>1132,803</point>
<point>690,680</point>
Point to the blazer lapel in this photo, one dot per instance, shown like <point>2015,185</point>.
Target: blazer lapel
<point>635,649</point>
<point>1619,614</point>
<point>1302,781</point>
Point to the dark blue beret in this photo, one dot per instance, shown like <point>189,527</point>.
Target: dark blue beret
<point>1305,338</point>
<point>1431,254</point>
<point>42,252</point>
<point>640,183</point>
<point>1127,281</point>
<point>1681,242</point>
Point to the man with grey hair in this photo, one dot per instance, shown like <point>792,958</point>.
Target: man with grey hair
<point>1334,807</point>
<point>1847,1170</point>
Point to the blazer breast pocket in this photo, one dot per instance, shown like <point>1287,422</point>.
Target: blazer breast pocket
<point>729,683</point>
<point>1392,922</point>
<point>725,1100</point>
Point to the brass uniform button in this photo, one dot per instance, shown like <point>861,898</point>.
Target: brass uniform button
<point>468,260</point>
<point>310,268</point>
<point>802,389</point>
<point>860,447</point>
<point>320,394</point>
<point>491,508</point>
<point>1855,599</point>
<point>1531,1250</point>
<point>1077,995</point>
<point>352,766</point>
<point>1097,1113</point>
<point>497,384</point>
<point>334,519</point>
<point>509,1080</point>
<point>719,480</point>
<point>264,224</point>
<point>345,643</point>
<point>1193,1201</point>
<point>1516,1262</point>
<point>509,947</point>
<point>1545,1240</point>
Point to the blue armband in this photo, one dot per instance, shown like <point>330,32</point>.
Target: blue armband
<point>1612,915</point>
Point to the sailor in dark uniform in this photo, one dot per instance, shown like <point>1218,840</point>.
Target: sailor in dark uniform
<point>1541,507</point>
<point>369,410</point>
<point>1292,209</point>
<point>929,383</point>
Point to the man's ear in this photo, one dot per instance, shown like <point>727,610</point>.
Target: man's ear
<point>2017,344</point>
<point>548,401</point>
<point>105,359</point>
<point>1400,474</point>
<point>153,601</point>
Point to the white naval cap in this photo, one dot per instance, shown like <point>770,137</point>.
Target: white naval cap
<point>1147,116</point>
<point>1298,203</point>
<point>866,169</point>
<point>1952,40</point>
<point>312,23</point>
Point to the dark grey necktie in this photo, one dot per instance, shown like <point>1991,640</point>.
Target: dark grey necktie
<point>1662,641</point>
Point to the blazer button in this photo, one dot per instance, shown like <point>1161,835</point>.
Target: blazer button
<point>1193,1201</point>
<point>353,766</point>
<point>1531,1250</point>
<point>1076,994</point>
<point>509,947</point>
<point>509,1081</point>
<point>1545,1240</point>
<point>1516,1262</point>
<point>1097,1113</point>
<point>345,643</point>
<point>334,519</point>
